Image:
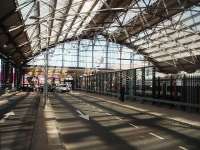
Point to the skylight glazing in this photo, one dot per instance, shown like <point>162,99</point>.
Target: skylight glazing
<point>163,31</point>
<point>96,53</point>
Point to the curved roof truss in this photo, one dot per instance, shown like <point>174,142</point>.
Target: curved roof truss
<point>166,32</point>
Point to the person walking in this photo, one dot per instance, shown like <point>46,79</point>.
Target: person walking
<point>122,93</point>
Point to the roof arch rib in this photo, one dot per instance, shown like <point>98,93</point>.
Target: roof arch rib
<point>165,32</point>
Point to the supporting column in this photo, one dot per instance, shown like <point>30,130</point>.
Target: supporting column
<point>10,75</point>
<point>5,68</point>
<point>127,81</point>
<point>120,58</point>
<point>2,76</point>
<point>18,72</point>
<point>143,81</point>
<point>93,44</point>
<point>7,74</point>
<point>63,47</point>
<point>131,82</point>
<point>153,82</point>
<point>78,54</point>
<point>107,47</point>
<point>134,82</point>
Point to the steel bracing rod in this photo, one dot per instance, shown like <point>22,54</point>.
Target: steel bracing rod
<point>120,24</point>
<point>105,16</point>
<point>162,42</point>
<point>137,49</point>
<point>23,5</point>
<point>87,15</point>
<point>68,5</point>
<point>149,40</point>
<point>175,41</point>
<point>179,44</point>
<point>40,51</point>
<point>145,55</point>
<point>142,20</point>
<point>170,3</point>
<point>38,18</point>
<point>52,7</point>
<point>140,17</point>
<point>37,13</point>
<point>172,31</point>
<point>184,27</point>
<point>113,9</point>
<point>108,7</point>
<point>50,13</point>
<point>40,37</point>
<point>42,24</point>
<point>159,37</point>
<point>60,10</point>
<point>75,18</point>
<point>29,11</point>
<point>69,30</point>
<point>148,35</point>
<point>115,16</point>
<point>82,19</point>
<point>170,54</point>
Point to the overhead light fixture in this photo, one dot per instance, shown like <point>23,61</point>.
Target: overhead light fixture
<point>5,46</point>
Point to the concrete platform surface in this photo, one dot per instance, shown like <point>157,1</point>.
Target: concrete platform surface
<point>85,121</point>
<point>17,125</point>
<point>88,121</point>
<point>157,110</point>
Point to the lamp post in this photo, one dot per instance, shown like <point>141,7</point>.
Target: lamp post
<point>46,63</point>
<point>45,92</point>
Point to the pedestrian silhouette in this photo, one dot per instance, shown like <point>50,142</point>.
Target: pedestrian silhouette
<point>122,93</point>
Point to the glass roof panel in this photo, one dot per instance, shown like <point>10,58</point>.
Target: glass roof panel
<point>58,20</point>
<point>172,39</point>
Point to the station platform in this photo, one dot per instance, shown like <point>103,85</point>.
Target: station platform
<point>88,121</point>
<point>158,110</point>
<point>17,119</point>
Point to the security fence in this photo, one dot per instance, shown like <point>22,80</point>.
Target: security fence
<point>145,84</point>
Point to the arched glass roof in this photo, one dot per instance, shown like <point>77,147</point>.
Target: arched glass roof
<point>165,32</point>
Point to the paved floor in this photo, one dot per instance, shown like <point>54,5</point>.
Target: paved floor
<point>160,110</point>
<point>8,98</point>
<point>17,123</point>
<point>84,121</point>
<point>115,127</point>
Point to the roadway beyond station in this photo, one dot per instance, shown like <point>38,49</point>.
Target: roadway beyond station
<point>87,123</point>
